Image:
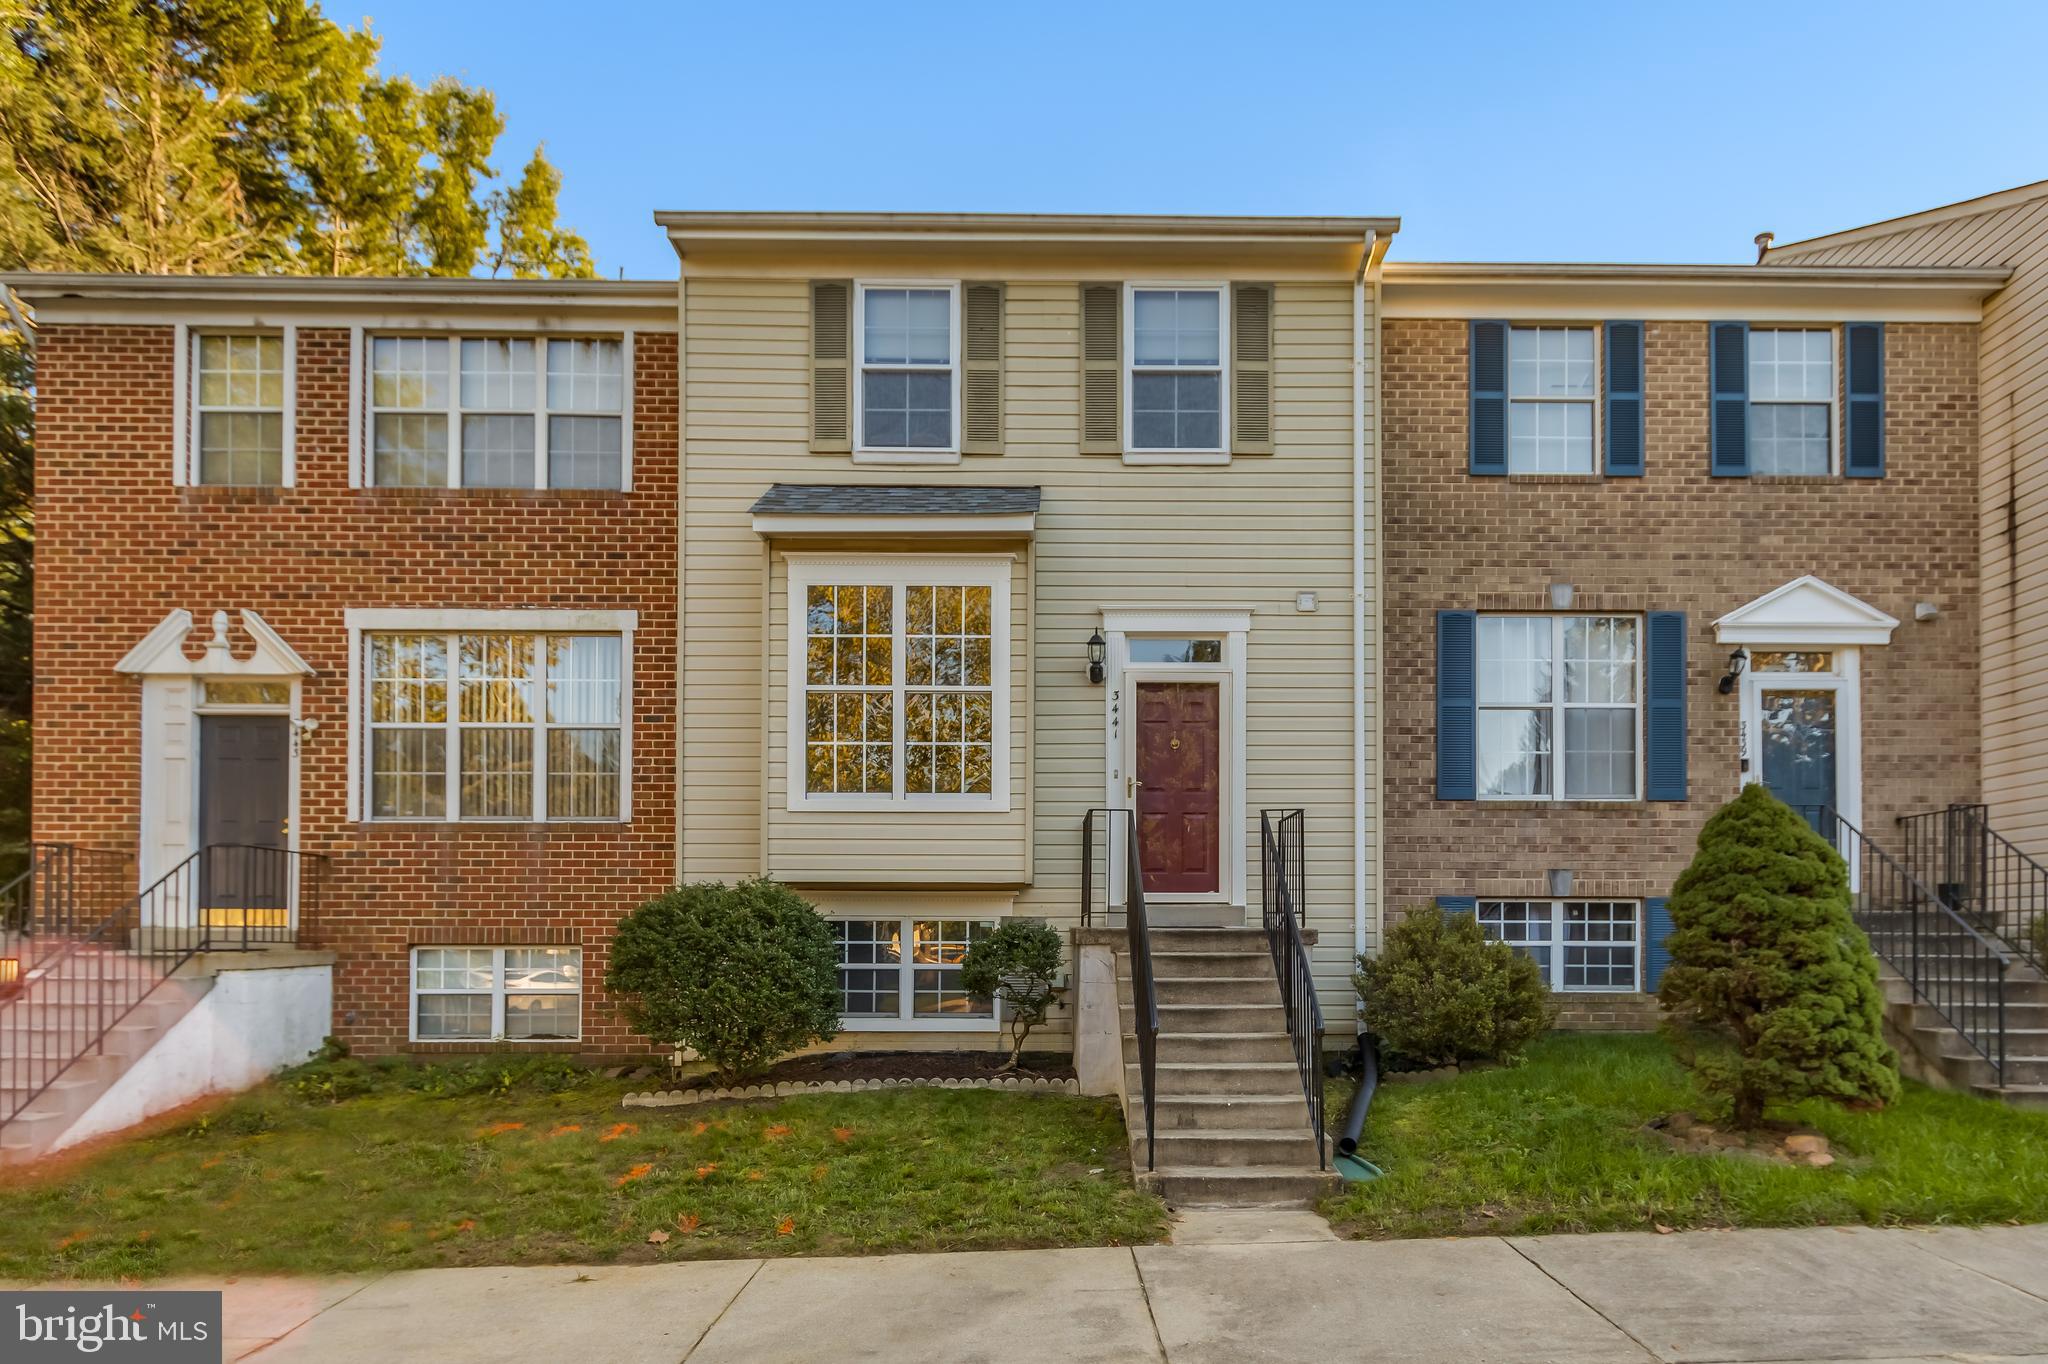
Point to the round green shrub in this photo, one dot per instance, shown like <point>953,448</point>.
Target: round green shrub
<point>740,974</point>
<point>1439,993</point>
<point>1018,963</point>
<point>1765,954</point>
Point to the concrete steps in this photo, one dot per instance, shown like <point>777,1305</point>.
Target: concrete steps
<point>1232,1123</point>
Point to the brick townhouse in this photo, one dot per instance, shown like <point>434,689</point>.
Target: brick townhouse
<point>1220,572</point>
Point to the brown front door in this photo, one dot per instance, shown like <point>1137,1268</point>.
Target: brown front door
<point>1180,787</point>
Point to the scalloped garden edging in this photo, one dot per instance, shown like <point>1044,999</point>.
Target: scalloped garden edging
<point>678,1098</point>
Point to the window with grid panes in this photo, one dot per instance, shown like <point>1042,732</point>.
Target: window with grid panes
<point>907,969</point>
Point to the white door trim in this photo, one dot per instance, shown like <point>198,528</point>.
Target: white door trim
<point>1231,624</point>
<point>1846,682</point>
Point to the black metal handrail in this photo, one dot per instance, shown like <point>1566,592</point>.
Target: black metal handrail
<point>225,897</point>
<point>65,889</point>
<point>1981,875</point>
<point>1950,966</point>
<point>1138,929</point>
<point>1282,839</point>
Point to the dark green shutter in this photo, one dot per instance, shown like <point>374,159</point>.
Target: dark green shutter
<point>1251,369</point>
<point>1454,905</point>
<point>1489,416</point>
<point>981,369</point>
<point>1656,953</point>
<point>1664,693</point>
<point>831,365</point>
<point>1624,399</point>
<point>1457,705</point>
<point>1863,445</point>
<point>1102,380</point>
<point>1729,363</point>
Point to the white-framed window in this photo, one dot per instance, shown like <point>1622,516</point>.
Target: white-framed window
<point>905,973</point>
<point>1581,945</point>
<point>1176,369</point>
<point>907,348</point>
<point>1791,400</point>
<point>497,994</point>
<point>498,411</point>
<point>1553,386</point>
<point>495,725</point>
<point>1560,702</point>
<point>899,682</point>
<point>241,398</point>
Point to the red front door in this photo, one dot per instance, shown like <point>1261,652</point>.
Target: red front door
<point>1180,787</point>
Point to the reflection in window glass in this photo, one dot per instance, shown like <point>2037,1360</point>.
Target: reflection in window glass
<point>1150,650</point>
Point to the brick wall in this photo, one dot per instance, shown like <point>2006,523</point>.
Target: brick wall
<point>118,547</point>
<point>1673,540</point>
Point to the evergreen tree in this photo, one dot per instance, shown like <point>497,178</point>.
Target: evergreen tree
<point>1765,953</point>
<point>221,137</point>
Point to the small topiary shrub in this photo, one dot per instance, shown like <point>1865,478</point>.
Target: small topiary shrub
<point>1019,963</point>
<point>740,974</point>
<point>1764,953</point>
<point>1439,993</point>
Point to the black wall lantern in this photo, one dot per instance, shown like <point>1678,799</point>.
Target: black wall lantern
<point>1098,653</point>
<point>1737,661</point>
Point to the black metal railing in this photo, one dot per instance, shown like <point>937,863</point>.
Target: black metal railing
<point>66,889</point>
<point>1115,826</point>
<point>1284,888</point>
<point>1953,968</point>
<point>1981,875</point>
<point>221,898</point>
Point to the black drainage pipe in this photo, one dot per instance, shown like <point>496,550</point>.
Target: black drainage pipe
<point>1368,1085</point>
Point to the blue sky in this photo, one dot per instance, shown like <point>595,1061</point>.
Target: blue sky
<point>1643,131</point>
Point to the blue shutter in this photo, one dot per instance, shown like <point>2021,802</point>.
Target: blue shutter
<point>1863,425</point>
<point>1624,400</point>
<point>1457,705</point>
<point>1489,452</point>
<point>1656,928</point>
<point>1457,904</point>
<point>1729,363</point>
<point>1664,748</point>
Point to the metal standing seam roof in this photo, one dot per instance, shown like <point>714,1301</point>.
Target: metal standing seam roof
<point>913,499</point>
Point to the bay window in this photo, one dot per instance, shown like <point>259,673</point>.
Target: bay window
<point>1579,945</point>
<point>899,683</point>
<point>1559,707</point>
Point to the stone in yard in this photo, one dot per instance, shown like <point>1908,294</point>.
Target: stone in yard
<point>1806,1144</point>
<point>1819,1158</point>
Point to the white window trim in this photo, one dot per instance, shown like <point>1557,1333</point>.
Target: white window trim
<point>1137,454</point>
<point>1596,400</point>
<point>362,621</point>
<point>906,1021</point>
<point>1834,403</point>
<point>863,453</point>
<point>1557,706</point>
<point>413,992</point>
<point>1554,978</point>
<point>185,403</point>
<point>362,457</point>
<point>898,572</point>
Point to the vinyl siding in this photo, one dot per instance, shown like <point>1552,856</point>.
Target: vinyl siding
<point>1255,533</point>
<point>2013,486</point>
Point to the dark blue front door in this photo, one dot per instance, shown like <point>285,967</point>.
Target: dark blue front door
<point>1799,749</point>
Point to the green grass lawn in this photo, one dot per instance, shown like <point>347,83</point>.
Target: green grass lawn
<point>398,1179</point>
<point>1556,1144</point>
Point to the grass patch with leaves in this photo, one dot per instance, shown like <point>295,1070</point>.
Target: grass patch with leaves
<point>1557,1144</point>
<point>349,1167</point>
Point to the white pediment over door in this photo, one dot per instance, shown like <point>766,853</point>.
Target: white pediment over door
<point>1806,611</point>
<point>161,652</point>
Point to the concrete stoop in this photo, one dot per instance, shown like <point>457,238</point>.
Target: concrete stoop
<point>1233,1126</point>
<point>1935,1053</point>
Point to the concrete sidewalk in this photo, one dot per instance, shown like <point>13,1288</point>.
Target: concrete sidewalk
<point>1758,1296</point>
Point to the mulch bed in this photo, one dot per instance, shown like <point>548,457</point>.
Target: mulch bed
<point>913,1065</point>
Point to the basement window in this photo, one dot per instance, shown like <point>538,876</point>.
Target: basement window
<point>905,974</point>
<point>497,994</point>
<point>1581,946</point>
